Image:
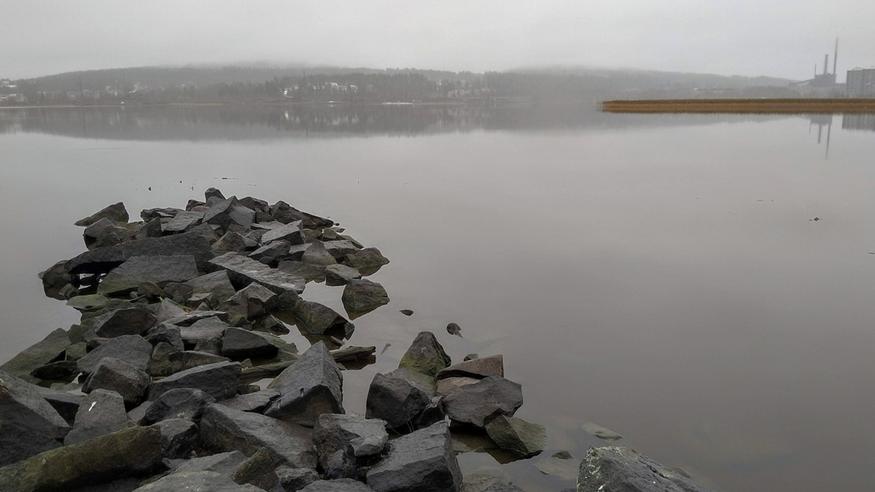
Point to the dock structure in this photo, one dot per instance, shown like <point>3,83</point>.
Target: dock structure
<point>810,105</point>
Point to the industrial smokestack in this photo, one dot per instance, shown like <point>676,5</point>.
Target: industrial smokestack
<point>835,60</point>
<point>825,63</point>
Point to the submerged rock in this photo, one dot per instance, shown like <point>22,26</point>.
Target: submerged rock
<point>308,388</point>
<point>521,438</point>
<point>618,468</point>
<point>28,423</point>
<point>477,403</point>
<point>363,296</point>
<point>600,431</point>
<point>422,460</point>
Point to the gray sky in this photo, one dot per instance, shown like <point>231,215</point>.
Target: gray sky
<point>746,37</point>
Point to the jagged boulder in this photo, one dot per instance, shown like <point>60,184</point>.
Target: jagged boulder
<point>182,221</point>
<point>49,349</point>
<point>115,212</point>
<point>28,423</point>
<point>367,261</point>
<point>619,468</point>
<point>422,460</point>
<point>178,403</point>
<point>141,269</point>
<point>117,375</point>
<point>400,398</point>
<point>133,349</point>
<point>101,412</point>
<point>317,319</point>
<point>474,404</point>
<point>425,355</point>
<point>244,270</point>
<point>308,388</point>
<point>344,441</point>
<point>291,232</point>
<point>363,296</point>
<point>339,274</point>
<point>135,320</point>
<point>240,344</point>
<point>179,437</point>
<point>219,380</point>
<point>519,437</point>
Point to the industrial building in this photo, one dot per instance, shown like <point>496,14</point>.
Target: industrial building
<point>861,82</point>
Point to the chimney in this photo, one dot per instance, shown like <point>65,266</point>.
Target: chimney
<point>835,59</point>
<point>825,63</point>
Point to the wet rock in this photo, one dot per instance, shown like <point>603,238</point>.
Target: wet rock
<point>219,380</point>
<point>310,273</point>
<point>239,344</point>
<point>293,479</point>
<point>308,388</point>
<point>105,232</point>
<point>367,261</point>
<point>224,463</point>
<point>363,296</point>
<point>119,376</point>
<point>155,269</point>
<point>197,481</point>
<point>128,321</point>
<point>130,452</point>
<point>249,303</point>
<point>476,403</point>
<point>340,440</point>
<point>243,270</point>
<point>317,254</point>
<point>178,403</point>
<point>271,254</point>
<point>217,285</point>
<point>618,468</point>
<point>223,428</point>
<point>133,349</point>
<point>521,438</point>
<point>446,386</point>
<point>28,423</point>
<point>290,232</point>
<point>233,242</point>
<point>101,412</point>
<point>422,460</point>
<point>425,355</point>
<point>454,329</point>
<point>316,319</point>
<point>406,312</point>
<point>115,212</point>
<point>182,222</point>
<point>49,349</point>
<point>102,260</point>
<point>337,485</point>
<point>252,402</point>
<point>484,482</point>
<point>397,400</point>
<point>600,431</point>
<point>179,437</point>
<point>477,368</point>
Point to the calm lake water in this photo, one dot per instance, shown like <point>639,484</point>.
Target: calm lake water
<point>661,276</point>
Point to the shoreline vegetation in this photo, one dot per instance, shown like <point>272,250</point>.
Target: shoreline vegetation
<point>742,106</point>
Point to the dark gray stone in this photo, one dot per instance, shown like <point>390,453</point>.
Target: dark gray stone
<point>367,261</point>
<point>477,403</point>
<point>337,485</point>
<point>396,399</point>
<point>179,437</point>
<point>313,318</point>
<point>225,213</point>
<point>294,479</point>
<point>128,321</point>
<point>521,438</point>
<point>65,403</point>
<point>28,423</point>
<point>484,482</point>
<point>167,310</point>
<point>105,232</point>
<point>339,274</point>
<point>342,440</point>
<point>240,344</point>
<point>224,463</point>
<point>117,375</point>
<point>308,388</point>
<point>252,402</point>
<point>285,213</point>
<point>159,213</point>
<point>224,428</point>
<point>425,355</point>
<point>249,303</point>
<point>203,330</point>
<point>270,254</point>
<point>318,254</point>
<point>422,461</point>
<point>133,349</point>
<point>197,481</point>
<point>155,269</point>
<point>178,403</point>
<point>189,359</point>
<point>217,285</point>
<point>310,273</point>
<point>101,412</point>
<point>213,195</point>
<point>290,232</point>
<point>233,242</point>
<point>477,368</point>
<point>363,296</point>
<point>219,380</point>
<point>182,222</point>
<point>115,212</point>
<point>243,270</point>
<point>259,470</point>
<point>49,349</point>
<point>619,468</point>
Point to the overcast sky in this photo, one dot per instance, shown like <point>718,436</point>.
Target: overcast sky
<point>747,37</point>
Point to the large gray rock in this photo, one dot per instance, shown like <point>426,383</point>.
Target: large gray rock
<point>339,274</point>
<point>240,344</point>
<point>203,331</point>
<point>219,380</point>
<point>117,375</point>
<point>521,438</point>
<point>224,428</point>
<point>101,412</point>
<point>28,423</point>
<point>135,320</point>
<point>292,479</point>
<point>188,359</point>
<point>317,319</point>
<point>58,282</point>
<point>337,485</point>
<point>367,261</point>
<point>421,461</point>
<point>197,481</point>
<point>343,442</point>
<point>398,399</point>
<point>131,452</point>
<point>318,254</point>
<point>49,349</point>
<point>105,232</point>
<point>285,213</point>
<point>251,302</point>
<point>133,349</point>
<point>425,355</point>
<point>475,368</point>
<point>290,232</point>
<point>182,221</point>
<point>624,469</point>
<point>194,242</point>
<point>243,270</point>
<point>233,242</point>
<point>271,253</point>
<point>477,403</point>
<point>226,212</point>
<point>155,269</point>
<point>115,212</point>
<point>178,403</point>
<point>363,296</point>
<point>224,463</point>
<point>179,437</point>
<point>217,285</point>
<point>252,402</point>
<point>308,388</point>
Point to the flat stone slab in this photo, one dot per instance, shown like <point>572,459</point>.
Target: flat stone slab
<point>133,349</point>
<point>182,222</point>
<point>290,232</point>
<point>48,349</point>
<point>250,270</point>
<point>219,380</point>
<point>155,269</point>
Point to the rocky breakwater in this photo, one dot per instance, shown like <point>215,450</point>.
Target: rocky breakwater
<point>183,311</point>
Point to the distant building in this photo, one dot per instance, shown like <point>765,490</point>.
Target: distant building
<point>861,82</point>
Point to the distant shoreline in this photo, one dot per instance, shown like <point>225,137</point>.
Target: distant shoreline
<point>763,106</point>
<point>298,104</point>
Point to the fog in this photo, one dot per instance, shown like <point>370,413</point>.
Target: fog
<point>782,38</point>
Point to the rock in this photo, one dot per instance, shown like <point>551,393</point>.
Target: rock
<point>484,482</point>
<point>425,355</point>
<point>396,399</point>
<point>618,468</point>
<point>406,312</point>
<point>193,317</point>
<point>219,380</point>
<point>521,438</point>
<point>202,331</point>
<point>101,412</point>
<point>133,349</point>
<point>213,195</point>
<point>285,213</point>
<point>119,376</point>
<point>233,242</point>
<point>105,232</point>
<point>182,222</point>
<point>363,296</point>
<point>340,440</point>
<point>270,254</point>
<point>217,285</point>
<point>562,455</point>
<point>178,403</point>
<point>65,403</point>
<point>250,302</point>
<point>258,470</point>
<point>168,334</point>
<point>367,261</point>
<point>293,479</point>
<point>310,273</point>
<point>128,321</point>
<point>225,213</point>
<point>150,228</point>
<point>600,432</point>
<point>313,318</point>
<point>189,359</point>
<point>167,310</point>
<point>476,403</point>
<point>446,386</point>
<point>337,485</point>
<point>290,232</point>
<point>115,212</point>
<point>422,460</point>
<point>179,437</point>
<point>239,344</point>
<point>156,269</point>
<point>454,329</point>
<point>61,370</point>
<point>49,349</point>
<point>244,270</point>
<point>252,402</point>
<point>129,452</point>
<point>308,388</point>
<point>224,463</point>
<point>317,254</point>
<point>477,368</point>
<point>223,428</point>
<point>57,280</point>
<point>76,351</point>
<point>28,423</point>
<point>198,481</point>
<point>88,302</point>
